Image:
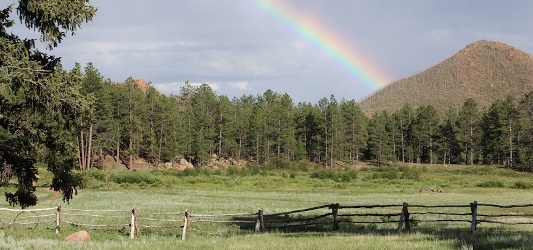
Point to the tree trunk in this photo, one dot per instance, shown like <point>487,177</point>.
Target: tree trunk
<point>117,159</point>
<point>403,146</point>
<point>160,144</point>
<point>430,150</point>
<point>82,151</point>
<point>89,148</point>
<point>131,141</point>
<point>471,146</point>
<point>510,144</point>
<point>257,149</point>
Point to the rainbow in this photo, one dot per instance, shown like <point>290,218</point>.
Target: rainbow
<point>329,43</point>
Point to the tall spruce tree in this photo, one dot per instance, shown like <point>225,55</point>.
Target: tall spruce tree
<point>525,142</point>
<point>425,128</point>
<point>499,132</point>
<point>379,138</point>
<point>40,103</point>
<point>468,132</point>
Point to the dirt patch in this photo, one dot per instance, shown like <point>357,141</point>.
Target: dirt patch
<point>53,195</point>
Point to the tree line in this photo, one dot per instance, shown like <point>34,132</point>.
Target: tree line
<point>132,120</point>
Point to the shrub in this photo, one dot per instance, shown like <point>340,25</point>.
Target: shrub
<point>335,175</point>
<point>522,185</point>
<point>97,174</point>
<point>231,171</point>
<point>348,175</point>
<point>410,173</point>
<point>386,173</point>
<point>491,183</point>
<point>190,172</point>
<point>324,174</point>
<point>277,163</point>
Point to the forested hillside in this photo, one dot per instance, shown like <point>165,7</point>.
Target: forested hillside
<point>484,71</point>
<point>131,120</point>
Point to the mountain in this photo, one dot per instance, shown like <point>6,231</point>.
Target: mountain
<point>484,71</point>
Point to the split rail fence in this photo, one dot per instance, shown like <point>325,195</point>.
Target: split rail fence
<point>325,217</point>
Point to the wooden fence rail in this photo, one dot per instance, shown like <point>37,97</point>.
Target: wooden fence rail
<point>331,215</point>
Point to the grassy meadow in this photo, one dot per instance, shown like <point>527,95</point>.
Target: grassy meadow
<point>279,189</point>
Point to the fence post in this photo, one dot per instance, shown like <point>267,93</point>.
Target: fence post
<point>186,224</point>
<point>335,212</point>
<point>58,218</point>
<point>405,210</point>
<point>404,217</point>
<point>133,223</point>
<point>260,223</point>
<point>473,208</point>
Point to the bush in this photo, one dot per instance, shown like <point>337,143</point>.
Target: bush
<point>522,185</point>
<point>232,171</point>
<point>193,172</point>
<point>491,183</point>
<point>97,174</point>
<point>324,174</point>
<point>335,175</point>
<point>389,173</point>
<point>410,173</point>
<point>277,163</point>
<point>348,175</point>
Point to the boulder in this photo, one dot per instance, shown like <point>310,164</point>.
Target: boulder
<point>81,236</point>
<point>184,164</point>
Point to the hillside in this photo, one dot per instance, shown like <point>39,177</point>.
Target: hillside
<point>483,70</point>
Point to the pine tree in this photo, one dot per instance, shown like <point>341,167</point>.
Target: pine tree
<point>379,138</point>
<point>425,132</point>
<point>498,132</point>
<point>467,124</point>
<point>354,130</point>
<point>40,102</point>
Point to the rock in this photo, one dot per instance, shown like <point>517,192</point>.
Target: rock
<point>184,164</point>
<point>81,236</point>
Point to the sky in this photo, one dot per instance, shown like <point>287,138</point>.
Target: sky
<point>309,49</point>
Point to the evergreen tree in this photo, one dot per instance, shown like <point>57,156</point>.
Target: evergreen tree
<point>204,133</point>
<point>308,131</point>
<point>447,139</point>
<point>403,120</point>
<point>525,138</point>
<point>226,124</point>
<point>424,133</point>
<point>92,87</point>
<point>40,103</point>
<point>467,124</point>
<point>379,138</point>
<point>499,132</point>
<point>354,130</point>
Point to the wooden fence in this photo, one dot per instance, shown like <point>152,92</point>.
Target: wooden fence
<point>325,217</point>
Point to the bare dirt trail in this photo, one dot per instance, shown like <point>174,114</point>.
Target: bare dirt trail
<point>53,195</point>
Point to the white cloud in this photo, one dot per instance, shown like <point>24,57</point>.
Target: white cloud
<point>241,85</point>
<point>170,88</point>
<point>214,86</point>
<point>174,88</point>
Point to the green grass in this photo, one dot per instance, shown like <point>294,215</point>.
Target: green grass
<point>278,189</point>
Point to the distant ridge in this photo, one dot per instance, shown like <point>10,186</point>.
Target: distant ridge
<point>484,71</point>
